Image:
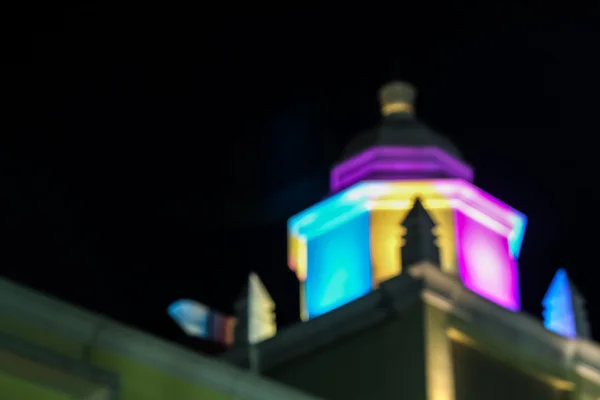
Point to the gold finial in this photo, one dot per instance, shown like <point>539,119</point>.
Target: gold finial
<point>397,98</point>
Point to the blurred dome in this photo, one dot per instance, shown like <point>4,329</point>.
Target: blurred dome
<point>399,126</point>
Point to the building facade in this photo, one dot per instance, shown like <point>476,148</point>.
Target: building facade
<point>424,335</point>
<point>410,284</point>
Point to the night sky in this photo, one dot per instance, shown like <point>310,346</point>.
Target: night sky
<point>150,155</point>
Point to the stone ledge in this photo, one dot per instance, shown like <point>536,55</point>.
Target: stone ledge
<point>72,376</point>
<point>427,283</point>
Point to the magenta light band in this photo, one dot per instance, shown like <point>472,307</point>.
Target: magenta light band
<point>399,170</point>
<point>412,160</point>
<point>475,197</point>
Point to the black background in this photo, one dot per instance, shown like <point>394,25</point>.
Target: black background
<point>141,146</point>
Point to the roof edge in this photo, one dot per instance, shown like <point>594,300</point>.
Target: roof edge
<point>424,283</point>
<point>100,332</point>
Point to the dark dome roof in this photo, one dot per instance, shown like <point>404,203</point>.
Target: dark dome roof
<point>399,126</point>
<point>400,130</point>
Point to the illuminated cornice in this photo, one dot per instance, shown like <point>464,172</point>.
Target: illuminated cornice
<point>391,162</point>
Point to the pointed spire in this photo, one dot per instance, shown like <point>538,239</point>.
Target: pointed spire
<point>582,322</point>
<point>240,333</point>
<point>263,324</point>
<point>564,308</point>
<point>419,240</point>
<point>255,314</point>
<point>397,69</point>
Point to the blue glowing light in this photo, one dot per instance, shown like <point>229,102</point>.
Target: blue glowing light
<point>191,316</point>
<point>559,316</point>
<point>339,266</point>
<point>515,239</point>
<point>336,210</point>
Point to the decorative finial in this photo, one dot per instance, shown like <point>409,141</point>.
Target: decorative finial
<point>255,314</point>
<point>420,239</point>
<point>261,310</point>
<point>241,337</point>
<point>564,308</point>
<point>397,98</point>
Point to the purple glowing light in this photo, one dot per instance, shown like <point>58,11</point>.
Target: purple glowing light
<point>399,163</point>
<point>485,263</point>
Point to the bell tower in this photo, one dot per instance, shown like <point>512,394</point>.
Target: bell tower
<point>346,245</point>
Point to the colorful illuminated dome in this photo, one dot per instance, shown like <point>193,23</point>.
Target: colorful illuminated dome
<point>346,245</point>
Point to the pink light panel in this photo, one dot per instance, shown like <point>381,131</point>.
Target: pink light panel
<point>486,265</point>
